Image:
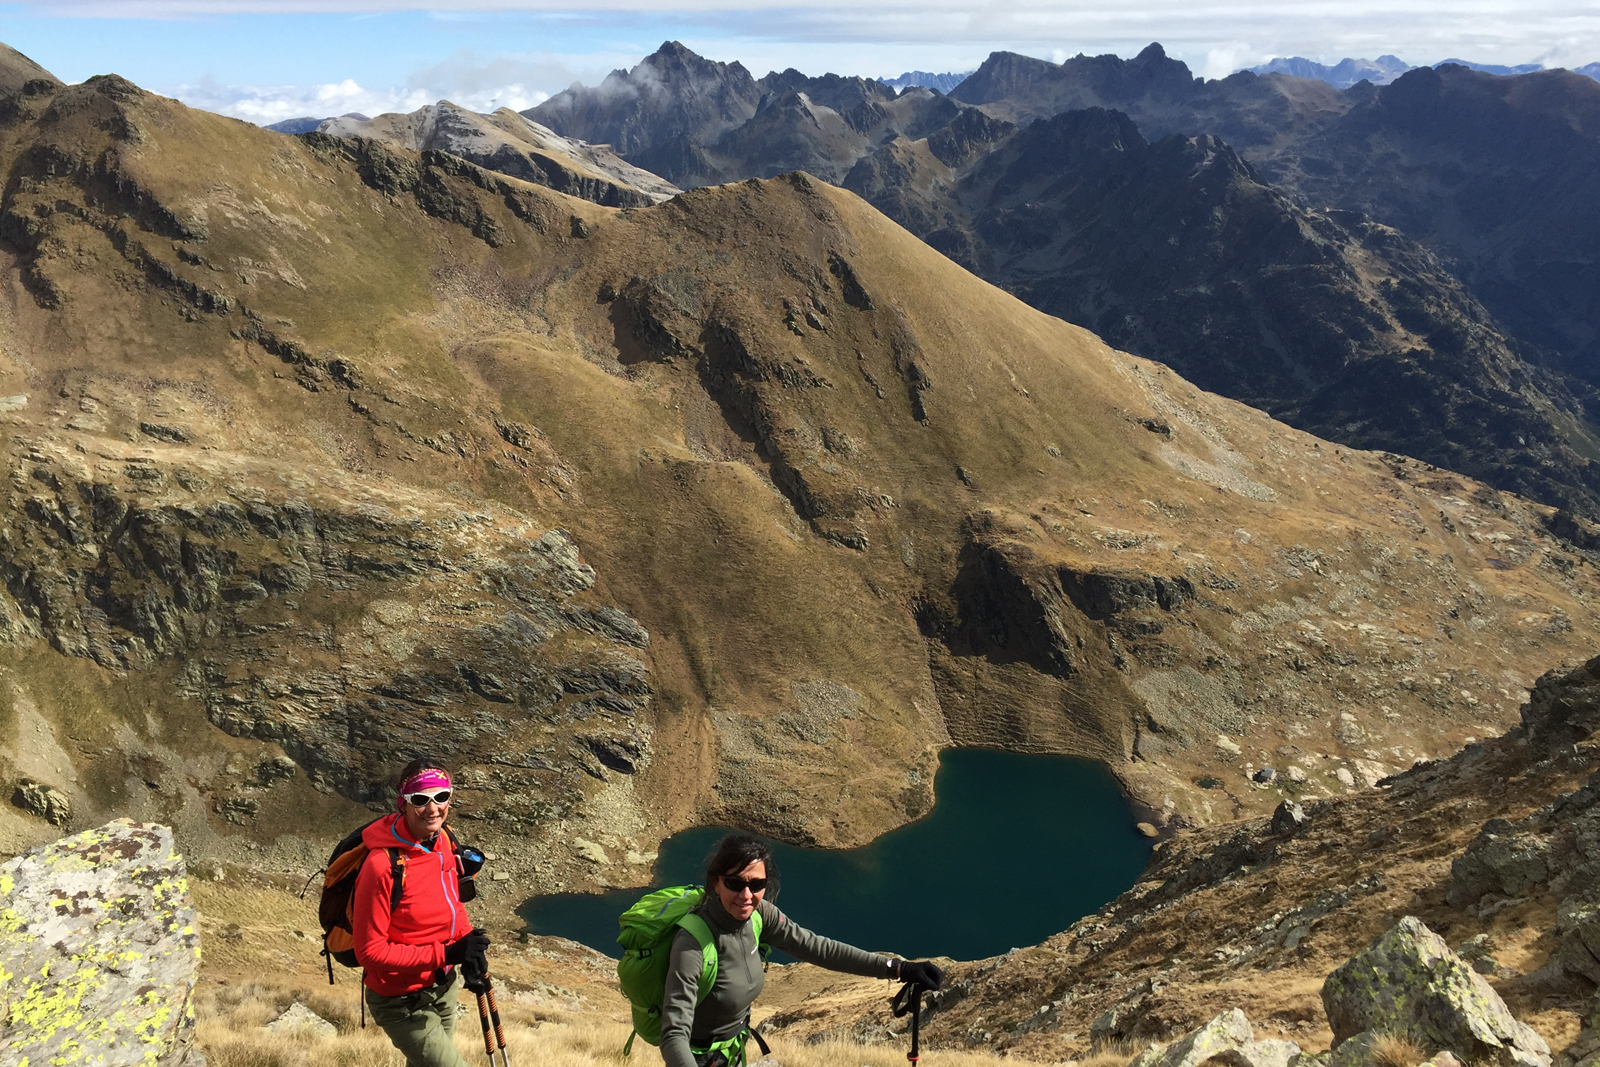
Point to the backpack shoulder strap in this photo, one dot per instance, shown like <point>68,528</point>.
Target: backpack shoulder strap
<point>708,953</point>
<point>397,877</point>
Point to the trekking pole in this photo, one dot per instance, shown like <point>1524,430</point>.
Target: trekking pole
<point>909,999</point>
<point>499,1034</point>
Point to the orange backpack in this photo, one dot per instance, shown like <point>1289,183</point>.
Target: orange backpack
<point>336,909</point>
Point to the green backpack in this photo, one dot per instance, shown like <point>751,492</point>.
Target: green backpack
<point>647,932</point>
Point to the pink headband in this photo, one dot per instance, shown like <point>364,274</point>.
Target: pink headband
<point>425,780</point>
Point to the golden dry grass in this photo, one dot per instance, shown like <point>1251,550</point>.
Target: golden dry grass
<point>231,1019</point>
<point>1109,1057</point>
<point>1397,1050</point>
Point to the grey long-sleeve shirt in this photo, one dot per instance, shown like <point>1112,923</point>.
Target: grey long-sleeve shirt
<point>740,976</point>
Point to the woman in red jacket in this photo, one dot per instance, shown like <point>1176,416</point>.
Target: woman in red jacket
<point>414,952</point>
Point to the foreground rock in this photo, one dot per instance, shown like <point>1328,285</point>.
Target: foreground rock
<point>1409,982</point>
<point>1228,1039</point>
<point>99,950</point>
<point>301,1019</point>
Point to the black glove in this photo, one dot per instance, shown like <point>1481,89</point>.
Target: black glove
<point>922,973</point>
<point>476,979</point>
<point>469,953</point>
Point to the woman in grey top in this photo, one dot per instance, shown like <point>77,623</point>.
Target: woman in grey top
<point>712,1032</point>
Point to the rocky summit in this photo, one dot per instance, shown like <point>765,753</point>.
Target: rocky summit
<point>734,508</point>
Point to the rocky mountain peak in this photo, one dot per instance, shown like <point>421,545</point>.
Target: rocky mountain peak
<point>670,97</point>
<point>1001,75</point>
<point>674,60</point>
<point>968,137</point>
<point>1091,130</point>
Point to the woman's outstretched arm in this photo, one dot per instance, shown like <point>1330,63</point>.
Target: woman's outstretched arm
<point>778,931</point>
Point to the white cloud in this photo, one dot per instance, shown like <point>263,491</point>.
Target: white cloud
<point>1225,59</point>
<point>265,105</point>
<point>883,38</point>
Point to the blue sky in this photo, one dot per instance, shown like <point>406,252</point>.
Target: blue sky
<point>265,60</point>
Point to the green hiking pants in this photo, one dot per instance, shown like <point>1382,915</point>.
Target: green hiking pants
<point>420,1023</point>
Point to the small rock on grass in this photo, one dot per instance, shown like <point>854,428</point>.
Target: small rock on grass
<point>300,1018</point>
<point>39,799</point>
<point>1289,818</point>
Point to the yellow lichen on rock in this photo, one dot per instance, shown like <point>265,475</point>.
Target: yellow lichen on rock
<point>98,950</point>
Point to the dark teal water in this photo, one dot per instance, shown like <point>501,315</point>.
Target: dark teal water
<point>1017,848</point>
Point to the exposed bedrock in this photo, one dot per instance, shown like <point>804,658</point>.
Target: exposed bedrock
<point>342,623</point>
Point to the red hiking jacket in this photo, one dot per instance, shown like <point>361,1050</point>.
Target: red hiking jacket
<point>403,951</point>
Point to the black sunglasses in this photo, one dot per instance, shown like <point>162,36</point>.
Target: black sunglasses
<point>420,800</point>
<point>736,884</point>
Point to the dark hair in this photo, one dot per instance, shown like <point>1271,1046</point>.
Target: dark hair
<point>421,763</point>
<point>736,852</point>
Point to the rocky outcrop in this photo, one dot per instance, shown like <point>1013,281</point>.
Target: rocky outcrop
<point>1555,851</point>
<point>456,619</point>
<point>1409,982</point>
<point>39,799</point>
<point>99,951</point>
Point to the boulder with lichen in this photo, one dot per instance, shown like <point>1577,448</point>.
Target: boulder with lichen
<point>1408,981</point>
<point>99,951</point>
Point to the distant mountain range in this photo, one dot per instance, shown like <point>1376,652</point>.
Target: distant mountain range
<point>1385,265</point>
<point>698,122</point>
<point>1340,75</point>
<point>1385,69</point>
<point>942,82</point>
<point>1407,266</point>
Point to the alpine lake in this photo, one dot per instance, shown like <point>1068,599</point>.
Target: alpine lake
<point>1016,848</point>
